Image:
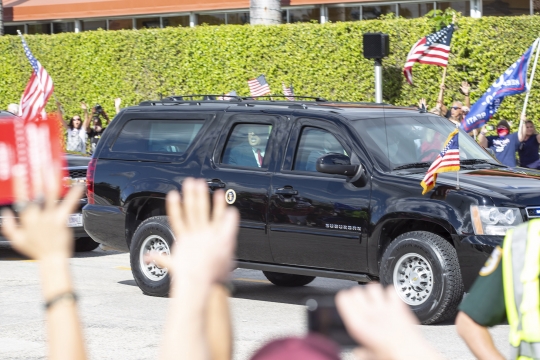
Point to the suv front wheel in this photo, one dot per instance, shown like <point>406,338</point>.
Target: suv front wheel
<point>423,268</point>
<point>153,234</point>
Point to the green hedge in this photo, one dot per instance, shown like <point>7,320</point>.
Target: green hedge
<point>320,60</point>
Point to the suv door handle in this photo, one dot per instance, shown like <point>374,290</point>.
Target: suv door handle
<point>286,191</point>
<point>215,183</point>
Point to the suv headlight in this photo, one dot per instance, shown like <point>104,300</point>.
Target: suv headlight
<point>492,220</point>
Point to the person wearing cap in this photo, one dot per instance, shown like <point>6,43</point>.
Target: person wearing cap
<point>504,144</point>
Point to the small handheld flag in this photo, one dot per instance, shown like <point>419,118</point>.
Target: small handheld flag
<point>432,49</point>
<point>288,92</point>
<point>38,90</point>
<point>513,81</point>
<point>258,86</point>
<point>446,161</point>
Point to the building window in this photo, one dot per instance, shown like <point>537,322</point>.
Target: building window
<point>373,12</point>
<point>12,29</point>
<point>464,7</point>
<point>240,18</point>
<point>212,19</point>
<point>505,7</point>
<point>39,28</point>
<point>410,11</point>
<point>94,25</point>
<point>344,13</point>
<point>147,23</point>
<point>176,21</point>
<point>120,24</point>
<point>63,27</point>
<point>304,15</point>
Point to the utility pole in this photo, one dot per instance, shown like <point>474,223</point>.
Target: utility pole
<point>264,12</point>
<point>1,18</point>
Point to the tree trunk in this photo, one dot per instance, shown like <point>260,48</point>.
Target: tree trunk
<point>264,12</point>
<point>1,18</point>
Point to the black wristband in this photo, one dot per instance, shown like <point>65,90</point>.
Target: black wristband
<point>68,295</point>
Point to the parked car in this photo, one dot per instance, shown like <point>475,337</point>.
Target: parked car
<point>76,168</point>
<point>323,189</point>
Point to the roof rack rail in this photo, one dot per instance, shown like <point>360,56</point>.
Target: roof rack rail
<point>314,98</point>
<point>205,97</point>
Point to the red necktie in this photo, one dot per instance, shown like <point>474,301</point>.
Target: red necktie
<point>259,157</point>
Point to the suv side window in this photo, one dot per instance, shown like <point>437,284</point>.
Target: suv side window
<point>247,146</point>
<point>157,136</point>
<point>313,144</point>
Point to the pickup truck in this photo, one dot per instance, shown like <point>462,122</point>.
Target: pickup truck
<point>323,188</point>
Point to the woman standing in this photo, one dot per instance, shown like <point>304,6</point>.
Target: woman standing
<point>77,131</point>
<point>528,147</point>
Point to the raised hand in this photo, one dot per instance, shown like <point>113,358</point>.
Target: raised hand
<point>84,106</point>
<point>205,242</point>
<point>41,231</point>
<point>465,88</point>
<point>376,318</point>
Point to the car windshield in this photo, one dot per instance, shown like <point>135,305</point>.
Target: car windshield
<point>414,141</point>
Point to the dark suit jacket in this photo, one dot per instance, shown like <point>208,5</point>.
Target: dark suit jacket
<point>312,160</point>
<point>242,156</point>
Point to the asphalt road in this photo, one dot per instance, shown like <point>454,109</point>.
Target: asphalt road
<point>121,323</point>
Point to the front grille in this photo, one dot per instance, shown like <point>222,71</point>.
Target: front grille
<point>533,212</point>
<point>77,174</point>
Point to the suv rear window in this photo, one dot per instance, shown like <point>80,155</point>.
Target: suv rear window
<point>157,136</point>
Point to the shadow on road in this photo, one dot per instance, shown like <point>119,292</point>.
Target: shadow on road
<point>285,295</point>
<point>7,253</point>
<point>128,282</point>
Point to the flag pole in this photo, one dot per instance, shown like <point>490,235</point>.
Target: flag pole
<point>536,47</point>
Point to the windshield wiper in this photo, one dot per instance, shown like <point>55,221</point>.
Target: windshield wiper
<point>480,161</point>
<point>418,165</point>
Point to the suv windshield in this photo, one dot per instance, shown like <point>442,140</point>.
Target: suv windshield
<point>414,141</point>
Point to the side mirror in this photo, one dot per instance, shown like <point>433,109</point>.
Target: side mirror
<point>337,164</point>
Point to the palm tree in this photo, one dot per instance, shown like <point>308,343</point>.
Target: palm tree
<point>264,12</point>
<point>1,18</point>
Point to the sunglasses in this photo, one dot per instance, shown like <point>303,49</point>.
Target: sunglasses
<point>455,108</point>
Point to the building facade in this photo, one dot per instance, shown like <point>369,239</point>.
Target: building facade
<point>58,16</point>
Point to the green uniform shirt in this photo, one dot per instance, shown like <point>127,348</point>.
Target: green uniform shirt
<point>485,301</point>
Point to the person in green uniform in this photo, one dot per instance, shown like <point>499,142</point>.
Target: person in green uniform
<point>483,307</point>
<point>508,288</point>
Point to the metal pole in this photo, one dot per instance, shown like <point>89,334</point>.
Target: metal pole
<point>378,81</point>
<point>535,48</point>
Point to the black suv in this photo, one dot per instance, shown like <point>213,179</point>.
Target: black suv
<point>323,188</point>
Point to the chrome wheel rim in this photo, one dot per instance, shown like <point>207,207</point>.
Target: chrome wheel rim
<point>413,279</point>
<point>151,270</point>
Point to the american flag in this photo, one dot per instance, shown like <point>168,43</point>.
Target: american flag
<point>38,90</point>
<point>258,86</point>
<point>433,49</point>
<point>448,160</point>
<point>227,96</point>
<point>288,92</point>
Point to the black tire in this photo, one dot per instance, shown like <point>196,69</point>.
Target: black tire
<point>84,244</point>
<point>290,280</point>
<point>447,289</point>
<point>156,229</point>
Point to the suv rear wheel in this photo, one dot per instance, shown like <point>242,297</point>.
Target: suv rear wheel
<point>424,270</point>
<point>153,234</point>
<point>291,280</point>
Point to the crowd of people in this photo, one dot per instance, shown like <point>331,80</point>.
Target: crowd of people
<point>505,145</point>
<point>82,134</point>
